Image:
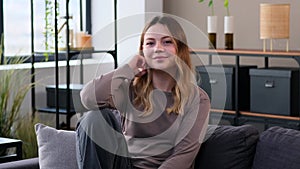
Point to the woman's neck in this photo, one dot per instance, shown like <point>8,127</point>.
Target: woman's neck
<point>163,80</point>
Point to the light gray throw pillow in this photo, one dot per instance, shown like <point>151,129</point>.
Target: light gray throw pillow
<point>57,148</point>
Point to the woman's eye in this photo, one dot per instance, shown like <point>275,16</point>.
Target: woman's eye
<point>168,42</point>
<point>149,43</point>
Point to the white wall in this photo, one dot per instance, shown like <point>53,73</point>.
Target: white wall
<point>246,14</point>
<point>131,16</point>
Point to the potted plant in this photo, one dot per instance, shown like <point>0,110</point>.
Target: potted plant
<point>228,27</point>
<point>14,123</point>
<point>211,25</point>
<point>49,32</point>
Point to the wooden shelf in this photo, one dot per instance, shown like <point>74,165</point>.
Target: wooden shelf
<point>78,49</point>
<point>273,116</point>
<point>255,114</point>
<point>247,52</point>
<point>223,111</point>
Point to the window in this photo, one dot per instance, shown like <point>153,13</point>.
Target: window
<point>16,18</point>
<point>17,24</point>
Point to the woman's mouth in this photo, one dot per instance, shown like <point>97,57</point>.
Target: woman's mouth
<point>160,57</point>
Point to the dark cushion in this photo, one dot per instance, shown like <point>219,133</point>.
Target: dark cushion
<point>228,147</point>
<point>278,148</point>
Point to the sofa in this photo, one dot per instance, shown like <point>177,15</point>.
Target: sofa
<point>225,147</point>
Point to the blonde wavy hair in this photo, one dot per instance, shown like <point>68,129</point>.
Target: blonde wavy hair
<point>185,77</point>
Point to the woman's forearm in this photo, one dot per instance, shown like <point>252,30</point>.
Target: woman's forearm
<point>107,90</point>
<point>97,91</point>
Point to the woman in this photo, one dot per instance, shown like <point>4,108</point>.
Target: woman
<point>164,113</point>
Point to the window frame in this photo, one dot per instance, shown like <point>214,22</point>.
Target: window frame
<point>39,57</point>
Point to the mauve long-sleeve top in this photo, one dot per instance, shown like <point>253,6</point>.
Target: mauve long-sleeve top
<point>160,140</point>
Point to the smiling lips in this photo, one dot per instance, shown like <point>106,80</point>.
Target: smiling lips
<point>160,57</point>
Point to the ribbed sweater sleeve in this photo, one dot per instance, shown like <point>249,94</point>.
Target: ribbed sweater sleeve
<point>107,89</point>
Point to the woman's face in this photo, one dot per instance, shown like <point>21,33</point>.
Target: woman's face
<point>159,48</point>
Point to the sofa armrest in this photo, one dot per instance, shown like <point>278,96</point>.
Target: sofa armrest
<point>32,163</point>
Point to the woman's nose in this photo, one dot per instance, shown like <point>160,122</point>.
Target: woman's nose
<point>159,47</point>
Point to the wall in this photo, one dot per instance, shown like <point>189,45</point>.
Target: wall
<point>246,26</point>
<point>131,18</point>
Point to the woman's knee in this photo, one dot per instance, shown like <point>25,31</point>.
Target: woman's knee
<point>96,119</point>
<point>101,128</point>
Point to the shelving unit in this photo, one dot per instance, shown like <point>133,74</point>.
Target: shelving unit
<point>69,53</point>
<point>237,117</point>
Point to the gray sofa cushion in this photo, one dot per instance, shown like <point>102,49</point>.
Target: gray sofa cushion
<point>57,148</point>
<point>278,148</point>
<point>228,147</point>
<point>32,163</point>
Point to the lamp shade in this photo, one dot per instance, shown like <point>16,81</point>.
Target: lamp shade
<point>274,21</point>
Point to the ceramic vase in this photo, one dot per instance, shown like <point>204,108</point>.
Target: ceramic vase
<point>229,32</point>
<point>212,31</point>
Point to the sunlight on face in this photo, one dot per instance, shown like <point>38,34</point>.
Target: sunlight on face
<point>159,47</point>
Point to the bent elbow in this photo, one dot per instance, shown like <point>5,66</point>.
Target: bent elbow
<point>87,100</point>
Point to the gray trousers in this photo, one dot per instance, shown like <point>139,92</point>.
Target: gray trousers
<point>100,142</point>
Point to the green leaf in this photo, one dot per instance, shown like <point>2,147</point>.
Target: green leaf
<point>210,3</point>
<point>226,3</point>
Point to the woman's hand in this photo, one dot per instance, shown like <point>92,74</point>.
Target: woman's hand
<point>138,65</point>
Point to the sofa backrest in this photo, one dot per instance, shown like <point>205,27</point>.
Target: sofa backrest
<point>228,147</point>
<point>278,148</point>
